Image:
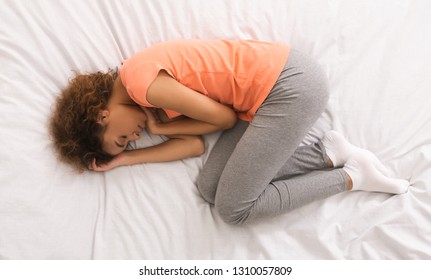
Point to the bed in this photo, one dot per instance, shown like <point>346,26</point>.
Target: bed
<point>377,58</point>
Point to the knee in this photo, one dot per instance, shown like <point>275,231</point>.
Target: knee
<point>206,189</point>
<point>231,213</point>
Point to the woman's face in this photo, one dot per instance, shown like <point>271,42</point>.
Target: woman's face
<point>123,124</point>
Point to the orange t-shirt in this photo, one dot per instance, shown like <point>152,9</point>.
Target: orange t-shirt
<point>239,74</point>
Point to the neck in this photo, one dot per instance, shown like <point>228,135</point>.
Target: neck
<point>119,94</point>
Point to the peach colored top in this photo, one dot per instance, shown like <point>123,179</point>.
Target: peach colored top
<point>239,73</point>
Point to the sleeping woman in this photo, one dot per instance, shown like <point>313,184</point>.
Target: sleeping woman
<point>264,96</point>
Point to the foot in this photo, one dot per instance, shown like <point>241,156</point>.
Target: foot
<point>366,176</point>
<point>339,150</point>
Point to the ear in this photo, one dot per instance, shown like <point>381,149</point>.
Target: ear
<point>103,117</point>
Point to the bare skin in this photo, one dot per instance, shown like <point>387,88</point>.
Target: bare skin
<point>205,115</point>
<point>349,179</point>
<point>124,120</point>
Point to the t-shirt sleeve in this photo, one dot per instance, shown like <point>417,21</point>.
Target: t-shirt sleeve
<point>138,78</point>
<point>172,114</point>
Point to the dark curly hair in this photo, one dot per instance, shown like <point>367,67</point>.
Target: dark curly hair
<point>73,125</point>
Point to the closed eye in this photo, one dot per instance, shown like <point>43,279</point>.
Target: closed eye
<point>120,145</point>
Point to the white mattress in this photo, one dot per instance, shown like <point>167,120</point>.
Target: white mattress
<point>378,60</point>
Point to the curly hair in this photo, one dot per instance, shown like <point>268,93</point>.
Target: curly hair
<point>73,125</point>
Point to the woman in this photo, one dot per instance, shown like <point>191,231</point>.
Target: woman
<point>256,168</point>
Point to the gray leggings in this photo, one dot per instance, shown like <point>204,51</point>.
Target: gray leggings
<point>258,169</point>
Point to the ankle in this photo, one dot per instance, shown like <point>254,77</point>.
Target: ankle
<point>363,174</point>
<point>329,162</point>
<point>349,182</point>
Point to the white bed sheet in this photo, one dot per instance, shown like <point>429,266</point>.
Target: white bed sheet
<point>378,60</point>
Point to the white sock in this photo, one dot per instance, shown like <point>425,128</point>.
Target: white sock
<point>337,148</point>
<point>339,151</point>
<point>365,176</point>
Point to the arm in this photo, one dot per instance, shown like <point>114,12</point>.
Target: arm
<point>205,115</point>
<point>178,147</point>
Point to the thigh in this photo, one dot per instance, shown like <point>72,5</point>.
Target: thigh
<point>294,104</point>
<point>208,178</point>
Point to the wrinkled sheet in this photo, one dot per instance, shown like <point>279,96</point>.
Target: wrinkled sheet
<point>378,61</point>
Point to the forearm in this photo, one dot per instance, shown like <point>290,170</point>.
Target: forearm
<point>170,150</point>
<point>186,126</point>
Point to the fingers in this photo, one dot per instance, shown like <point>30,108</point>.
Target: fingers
<point>152,121</point>
<point>117,161</point>
<point>94,167</point>
<point>91,165</point>
<point>149,113</point>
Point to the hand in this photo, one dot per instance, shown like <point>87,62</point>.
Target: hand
<point>162,117</point>
<point>115,162</point>
<point>152,124</point>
